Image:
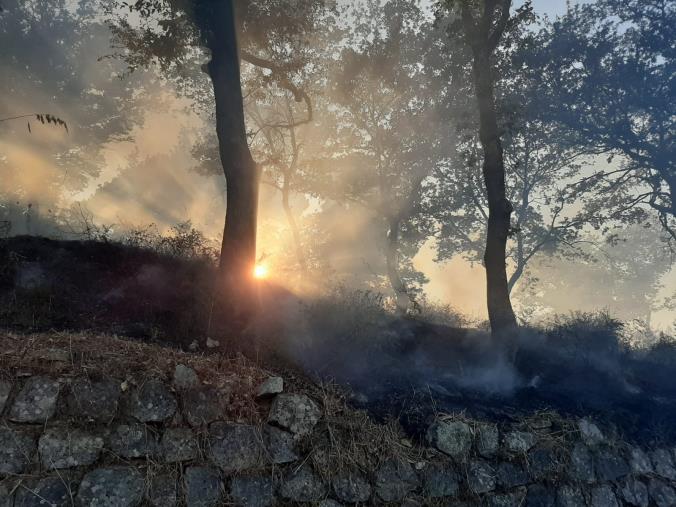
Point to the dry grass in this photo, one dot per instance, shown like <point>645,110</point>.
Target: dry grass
<point>70,355</point>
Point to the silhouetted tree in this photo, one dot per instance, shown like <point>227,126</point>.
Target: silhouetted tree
<point>607,79</point>
<point>483,23</point>
<point>212,24</point>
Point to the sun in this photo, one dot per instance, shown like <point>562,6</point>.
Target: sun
<point>260,271</point>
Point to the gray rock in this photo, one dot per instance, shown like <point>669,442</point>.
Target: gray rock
<point>49,491</point>
<point>603,496</point>
<point>639,462</point>
<point>279,445</point>
<point>202,406</point>
<point>582,464</point>
<point>440,480</point>
<point>609,465</point>
<point>36,402</point>
<point>635,492</point>
<point>330,503</point>
<point>270,387</point>
<point>5,389</point>
<point>394,480</point>
<point>303,485</point>
<point>68,447</point>
<point>16,451</point>
<point>487,440</point>
<point>235,447</point>
<point>540,496</point>
<point>203,487</point>
<point>133,441</point>
<point>451,437</point>
<point>543,463</point>
<point>569,496</point>
<point>252,491</point>
<point>294,412</point>
<point>179,444</point>
<point>663,494</point>
<point>97,400</point>
<point>111,487</point>
<point>590,432</point>
<point>152,402</point>
<point>480,477</point>
<point>351,488</point>
<point>6,495</point>
<point>519,441</point>
<point>663,464</point>
<point>185,377</point>
<point>512,499</point>
<point>511,475</point>
<point>162,491</point>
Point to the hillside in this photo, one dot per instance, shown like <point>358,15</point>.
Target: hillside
<point>97,420</point>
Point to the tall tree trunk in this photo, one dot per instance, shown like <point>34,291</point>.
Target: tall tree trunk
<point>242,174</point>
<point>403,299</point>
<point>500,310</point>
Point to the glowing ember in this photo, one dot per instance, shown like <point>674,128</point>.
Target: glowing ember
<point>260,271</point>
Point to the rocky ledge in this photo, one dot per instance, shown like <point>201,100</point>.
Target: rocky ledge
<point>119,424</point>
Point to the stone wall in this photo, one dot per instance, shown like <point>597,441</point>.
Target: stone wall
<point>73,436</point>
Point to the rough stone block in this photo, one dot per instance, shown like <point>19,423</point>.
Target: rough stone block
<point>394,480</point>
<point>94,399</point>
<point>179,444</point>
<point>569,496</point>
<point>481,477</point>
<point>270,387</point>
<point>582,464</point>
<point>451,437</point>
<point>49,491</point>
<point>252,491</point>
<point>152,402</point>
<point>162,491</point>
<point>303,485</point>
<point>133,441</point>
<point>352,487</point>
<point>16,451</point>
<point>440,480</point>
<point>662,494</point>
<point>279,445</point>
<point>487,440</point>
<point>203,487</point>
<point>202,405</point>
<point>603,496</point>
<point>294,412</point>
<point>511,475</point>
<point>111,487</point>
<point>36,402</point>
<point>185,377</point>
<point>64,447</point>
<point>609,465</point>
<point>519,441</point>
<point>235,447</point>
<point>635,492</point>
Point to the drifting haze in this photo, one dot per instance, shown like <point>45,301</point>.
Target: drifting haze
<point>129,158</point>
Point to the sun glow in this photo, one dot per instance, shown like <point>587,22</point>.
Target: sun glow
<point>261,271</point>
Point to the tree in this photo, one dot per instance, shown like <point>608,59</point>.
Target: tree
<point>483,23</point>
<point>169,31</point>
<point>607,79</point>
<point>387,136</point>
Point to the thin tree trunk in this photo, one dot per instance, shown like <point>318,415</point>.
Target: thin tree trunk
<point>403,299</point>
<point>500,312</point>
<point>242,174</point>
<point>295,232</point>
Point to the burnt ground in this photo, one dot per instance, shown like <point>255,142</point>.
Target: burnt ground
<point>397,368</point>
